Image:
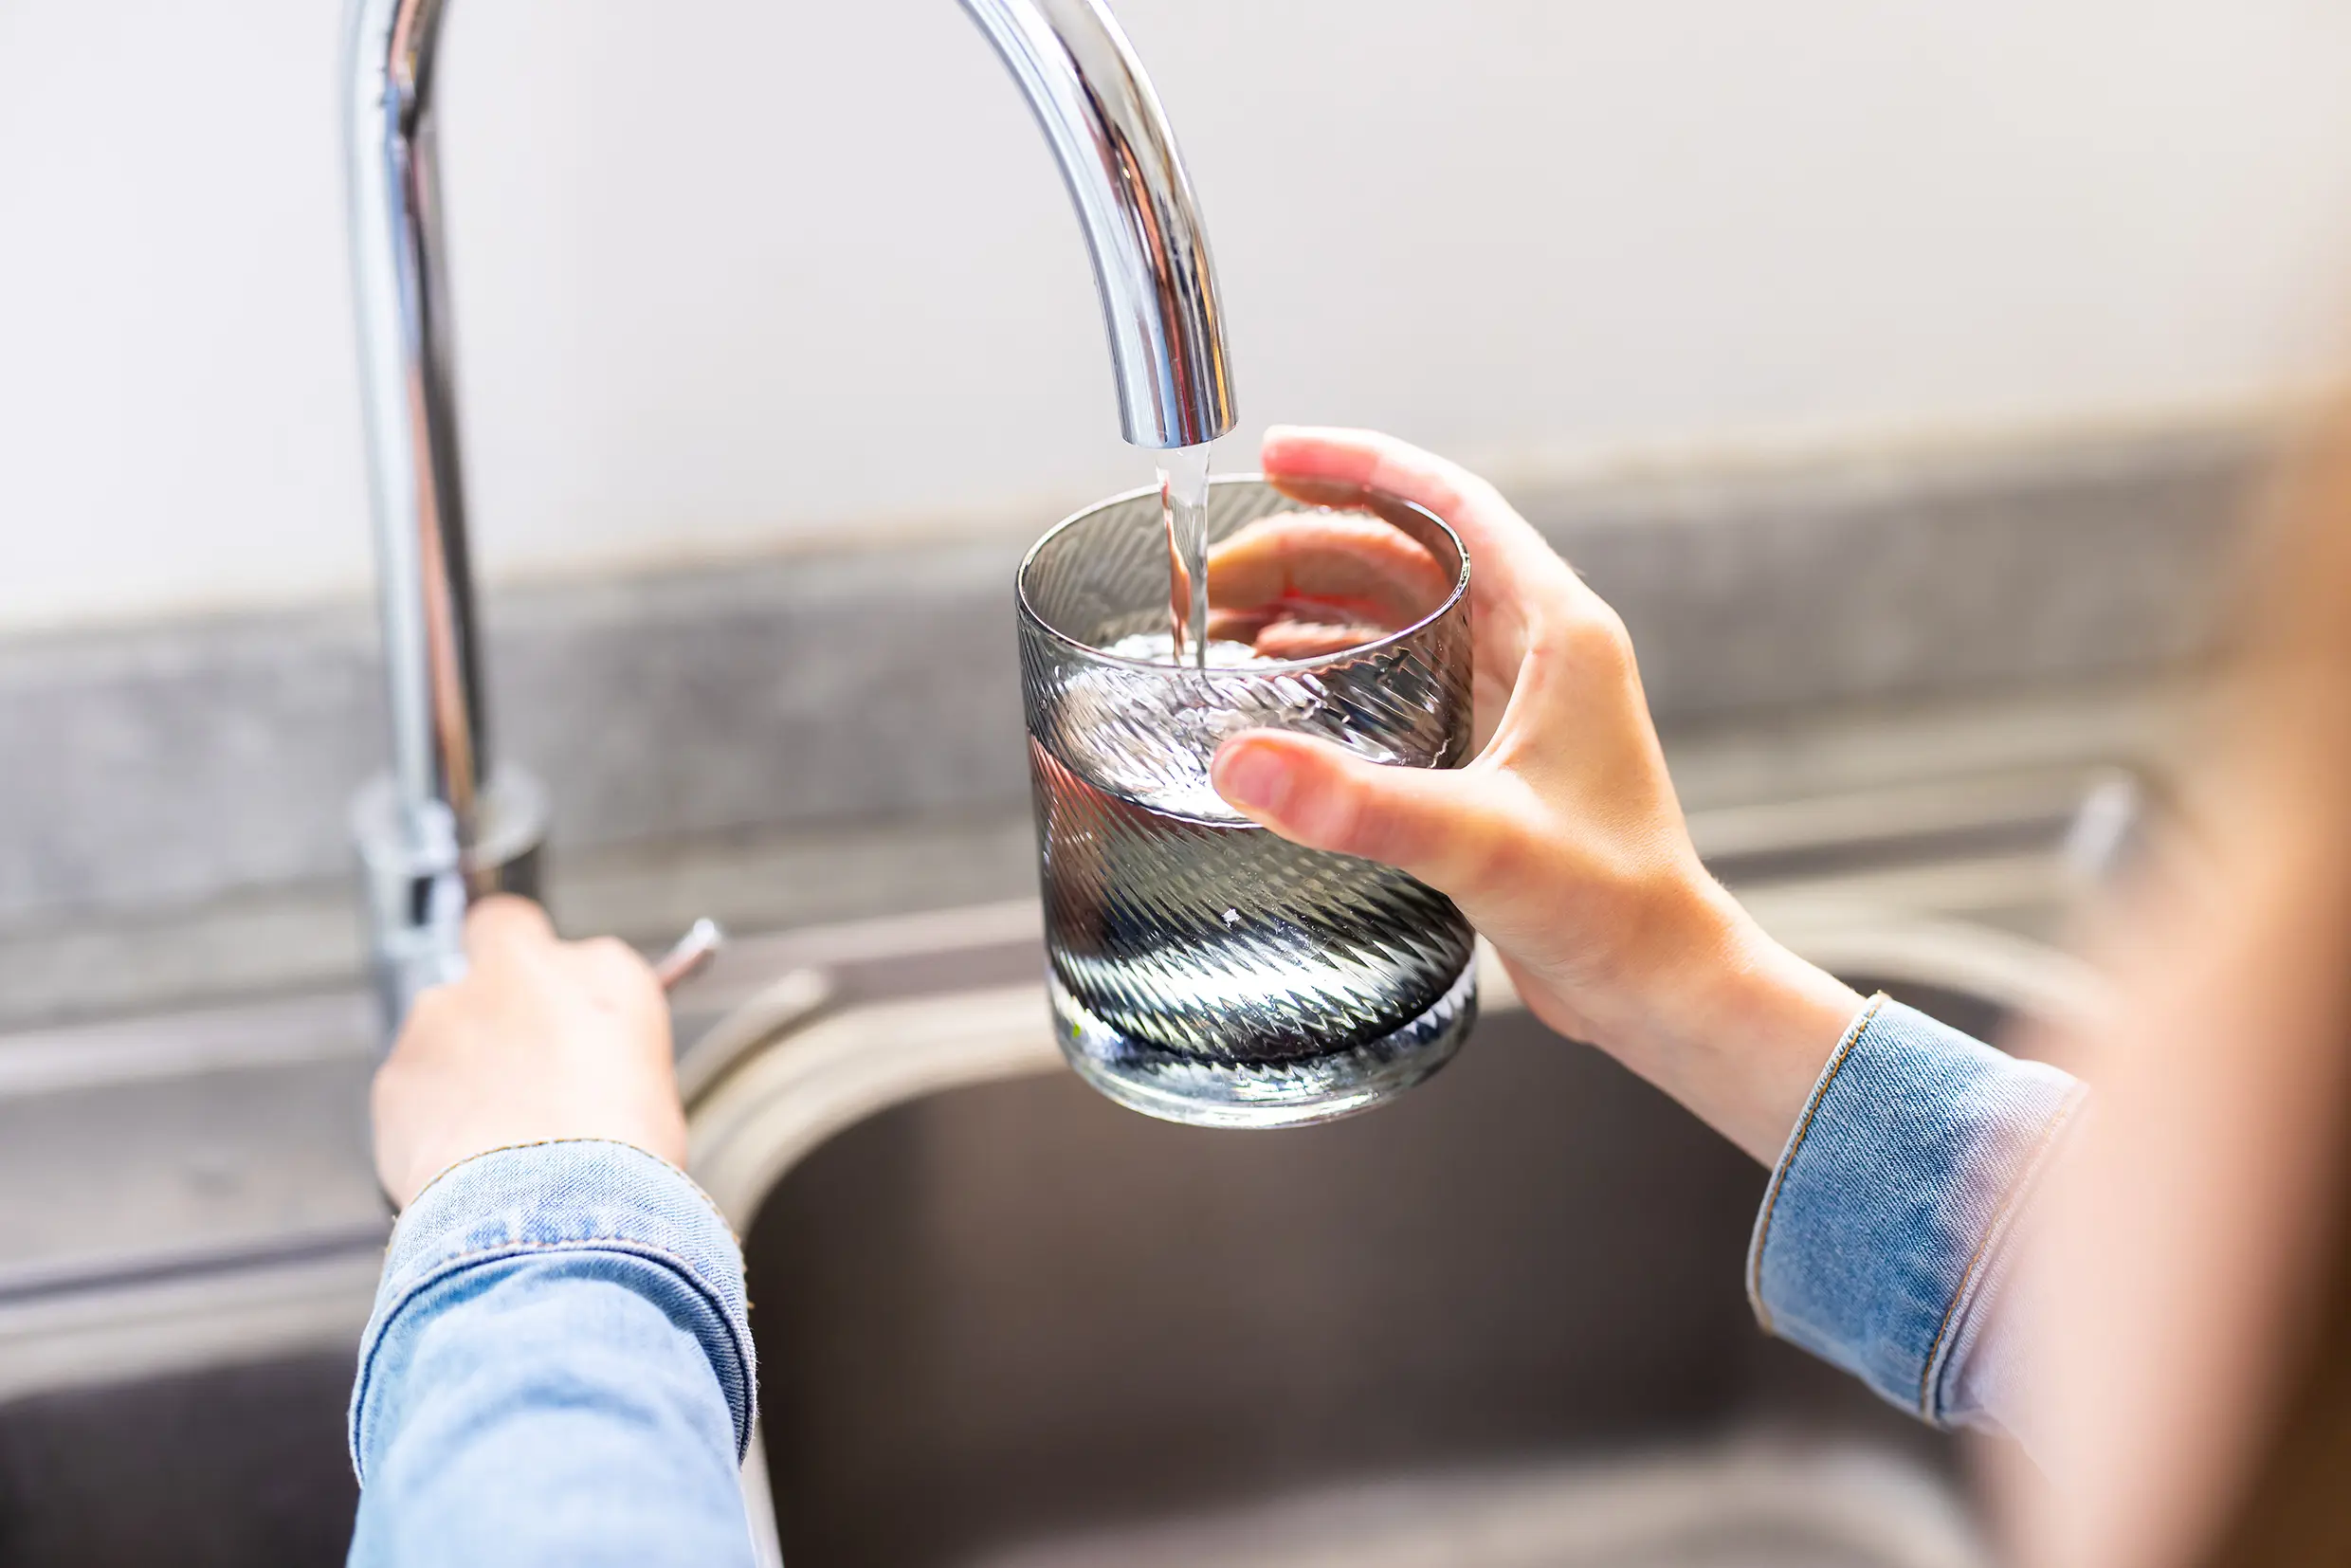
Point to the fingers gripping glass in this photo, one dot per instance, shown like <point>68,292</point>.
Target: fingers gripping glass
<point>1202,969</point>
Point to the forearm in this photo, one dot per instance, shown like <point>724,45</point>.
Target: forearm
<point>559,1370</point>
<point>1702,1003</point>
<point>1740,1027</point>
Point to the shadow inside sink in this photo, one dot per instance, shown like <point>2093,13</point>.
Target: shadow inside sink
<point>1014,1313</point>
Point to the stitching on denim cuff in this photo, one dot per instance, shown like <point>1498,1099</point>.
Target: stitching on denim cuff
<point>379,1327</point>
<point>447,1170</point>
<point>526,1244</point>
<point>1853,1032</point>
<point>1987,1250</point>
<point>642,1210</point>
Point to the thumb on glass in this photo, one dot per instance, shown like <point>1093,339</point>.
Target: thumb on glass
<point>1431,823</point>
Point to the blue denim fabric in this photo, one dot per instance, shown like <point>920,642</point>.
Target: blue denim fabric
<point>559,1370</point>
<point>1882,1244</point>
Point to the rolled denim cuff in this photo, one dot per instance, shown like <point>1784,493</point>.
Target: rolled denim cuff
<point>1880,1243</point>
<point>640,1217</point>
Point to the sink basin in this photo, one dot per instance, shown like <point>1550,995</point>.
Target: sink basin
<point>1501,1322</point>
<point>1004,1321</point>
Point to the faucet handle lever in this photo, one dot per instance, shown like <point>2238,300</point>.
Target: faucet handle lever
<point>690,954</point>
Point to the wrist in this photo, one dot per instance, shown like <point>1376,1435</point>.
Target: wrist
<point>1741,1025</point>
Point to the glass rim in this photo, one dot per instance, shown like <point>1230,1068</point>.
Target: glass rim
<point>1030,618</point>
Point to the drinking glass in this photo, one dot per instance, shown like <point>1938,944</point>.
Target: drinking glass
<point>1202,969</point>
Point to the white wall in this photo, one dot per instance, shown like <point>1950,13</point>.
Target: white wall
<point>735,272</point>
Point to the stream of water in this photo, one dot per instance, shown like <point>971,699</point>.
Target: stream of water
<point>1183,503</point>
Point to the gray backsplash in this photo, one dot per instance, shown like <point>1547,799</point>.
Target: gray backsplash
<point>161,767</point>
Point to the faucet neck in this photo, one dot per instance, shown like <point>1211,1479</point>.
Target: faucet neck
<point>445,829</point>
<point>408,396</point>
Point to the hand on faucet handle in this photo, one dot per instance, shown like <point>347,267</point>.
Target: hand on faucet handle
<point>543,1040</point>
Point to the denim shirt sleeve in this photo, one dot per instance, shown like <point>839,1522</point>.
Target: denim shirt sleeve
<point>1882,1242</point>
<point>559,1370</point>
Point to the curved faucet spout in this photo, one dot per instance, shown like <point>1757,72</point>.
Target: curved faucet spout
<point>445,829</point>
<point>1136,203</point>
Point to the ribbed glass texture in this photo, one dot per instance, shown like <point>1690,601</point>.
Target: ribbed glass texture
<point>1202,969</point>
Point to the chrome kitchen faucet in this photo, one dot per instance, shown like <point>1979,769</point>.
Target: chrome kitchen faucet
<point>446,825</point>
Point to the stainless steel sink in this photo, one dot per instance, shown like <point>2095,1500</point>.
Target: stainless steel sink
<point>188,1247</point>
<point>1003,1322</point>
<point>1008,1322</point>
<point>1498,1323</point>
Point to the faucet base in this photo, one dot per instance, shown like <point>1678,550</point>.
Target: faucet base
<point>420,880</point>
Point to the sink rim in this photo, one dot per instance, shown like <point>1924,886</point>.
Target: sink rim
<point>826,1069</point>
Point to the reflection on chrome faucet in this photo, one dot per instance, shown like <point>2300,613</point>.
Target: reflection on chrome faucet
<point>445,825</point>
